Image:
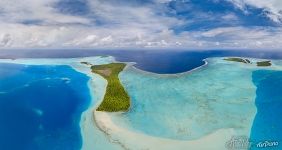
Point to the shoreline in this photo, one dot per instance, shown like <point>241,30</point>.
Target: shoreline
<point>138,141</point>
<point>135,140</point>
<point>207,62</point>
<point>90,118</point>
<point>90,133</point>
<point>131,64</point>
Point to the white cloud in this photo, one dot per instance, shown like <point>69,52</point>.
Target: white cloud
<point>5,40</point>
<point>22,36</point>
<point>122,26</point>
<point>230,17</point>
<point>273,8</point>
<point>14,11</point>
<point>240,37</point>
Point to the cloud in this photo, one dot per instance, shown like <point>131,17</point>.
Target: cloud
<point>272,8</point>
<point>14,11</point>
<point>240,37</point>
<point>230,17</point>
<point>123,24</point>
<point>5,40</point>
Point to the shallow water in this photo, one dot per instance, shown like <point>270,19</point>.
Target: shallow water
<point>191,105</point>
<point>40,107</point>
<point>184,106</point>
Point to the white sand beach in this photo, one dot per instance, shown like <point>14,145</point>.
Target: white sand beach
<point>136,141</point>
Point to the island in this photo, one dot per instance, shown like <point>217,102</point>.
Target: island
<point>264,63</point>
<point>236,59</point>
<point>116,98</point>
<point>247,61</point>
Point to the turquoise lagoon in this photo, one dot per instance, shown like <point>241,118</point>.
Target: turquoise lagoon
<point>181,107</point>
<point>190,105</point>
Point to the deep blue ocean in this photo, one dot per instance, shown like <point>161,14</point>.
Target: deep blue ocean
<point>267,126</point>
<point>43,104</point>
<point>40,107</point>
<point>157,61</point>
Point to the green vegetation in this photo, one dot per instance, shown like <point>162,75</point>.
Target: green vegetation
<point>116,98</point>
<point>236,59</point>
<point>247,61</point>
<point>264,63</point>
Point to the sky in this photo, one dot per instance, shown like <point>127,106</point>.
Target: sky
<point>141,24</point>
